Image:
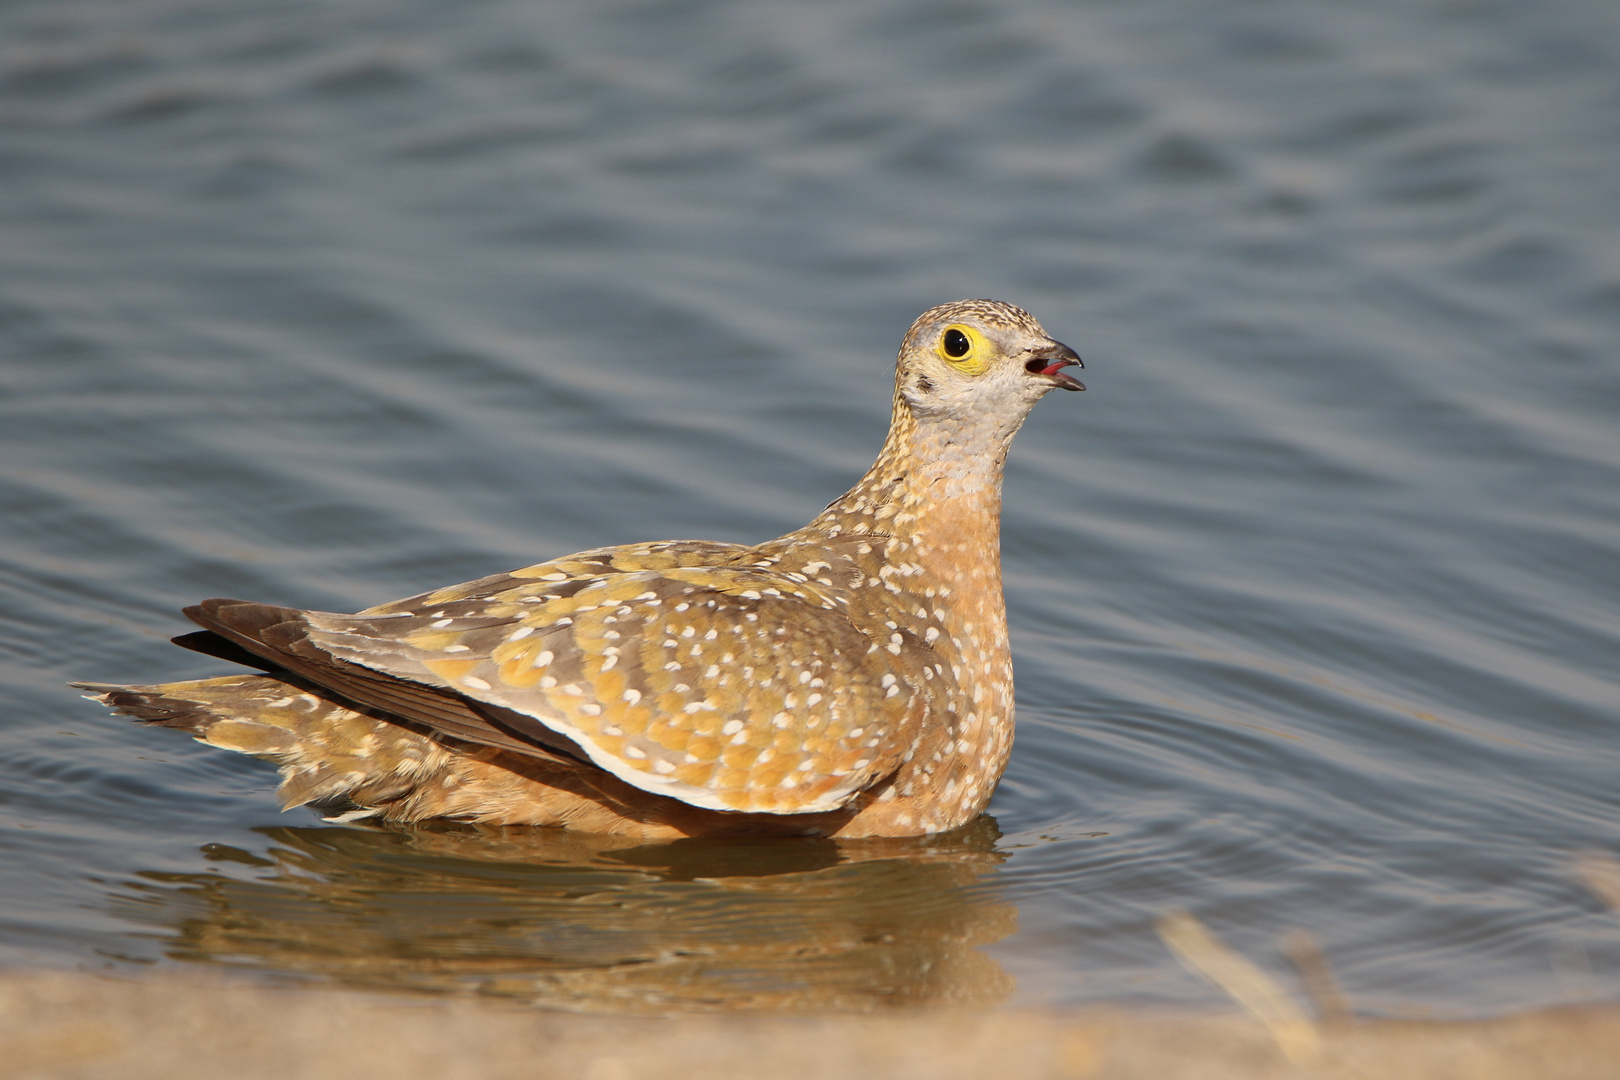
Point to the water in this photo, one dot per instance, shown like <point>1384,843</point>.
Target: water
<point>1313,594</point>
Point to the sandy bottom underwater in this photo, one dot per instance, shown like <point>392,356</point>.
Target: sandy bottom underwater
<point>67,1024</point>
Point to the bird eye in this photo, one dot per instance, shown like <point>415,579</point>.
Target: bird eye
<point>956,343</point>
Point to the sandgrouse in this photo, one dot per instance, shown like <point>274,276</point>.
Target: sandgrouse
<point>851,678</point>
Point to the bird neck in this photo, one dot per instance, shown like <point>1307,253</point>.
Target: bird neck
<point>933,516</point>
<point>937,479</point>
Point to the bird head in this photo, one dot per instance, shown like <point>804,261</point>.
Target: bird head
<point>980,358</point>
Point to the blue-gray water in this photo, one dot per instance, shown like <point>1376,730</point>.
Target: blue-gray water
<point>1314,595</point>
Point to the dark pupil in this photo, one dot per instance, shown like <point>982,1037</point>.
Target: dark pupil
<point>956,343</point>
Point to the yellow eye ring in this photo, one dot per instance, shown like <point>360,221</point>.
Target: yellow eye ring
<point>964,348</point>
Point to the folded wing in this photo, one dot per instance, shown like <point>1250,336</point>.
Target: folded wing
<point>729,688</point>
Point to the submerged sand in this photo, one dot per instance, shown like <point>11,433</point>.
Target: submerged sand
<point>175,1026</point>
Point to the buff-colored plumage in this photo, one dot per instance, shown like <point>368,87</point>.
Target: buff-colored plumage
<point>851,678</point>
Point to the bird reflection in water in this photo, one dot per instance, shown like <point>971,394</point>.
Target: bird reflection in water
<point>596,923</point>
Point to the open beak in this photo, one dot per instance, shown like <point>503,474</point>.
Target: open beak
<point>1050,362</point>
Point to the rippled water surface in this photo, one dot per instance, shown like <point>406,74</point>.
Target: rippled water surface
<point>1315,594</point>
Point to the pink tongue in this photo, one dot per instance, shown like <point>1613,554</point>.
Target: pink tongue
<point>1057,367</point>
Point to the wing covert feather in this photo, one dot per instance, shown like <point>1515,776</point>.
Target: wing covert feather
<point>727,688</point>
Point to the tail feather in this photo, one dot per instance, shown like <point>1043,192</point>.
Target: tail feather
<point>152,705</point>
<point>330,755</point>
<point>265,635</point>
<point>350,764</point>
